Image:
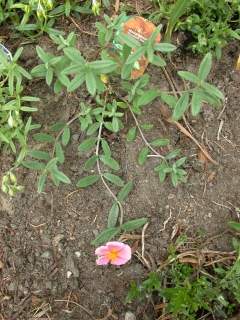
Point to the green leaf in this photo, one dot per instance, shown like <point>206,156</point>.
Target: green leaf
<point>59,153</point>
<point>132,133</point>
<point>114,179</point>
<point>52,163</point>
<point>234,225</point>
<point>142,157</point>
<point>177,10</point>
<point>173,154</point>
<point>124,192</point>
<point>105,236</point>
<point>146,126</point>
<point>28,109</point>
<point>133,57</point>
<point>88,181</point>
<point>134,224</point>
<point>41,183</point>
<point>165,47</point>
<point>87,144</point>
<point>34,165</point>
<point>110,162</point>
<point>196,103</point>
<point>180,162</point>
<point>57,126</point>
<point>74,55</point>
<point>105,147</point>
<point>126,71</point>
<point>174,179</point>
<point>49,76</point>
<point>30,99</point>
<point>42,54</point>
<point>4,138</point>
<point>205,66</point>
<point>76,82</point>
<point>161,169</point>
<point>90,163</point>
<point>66,136</point>
<point>115,124</point>
<point>60,176</point>
<point>189,76</point>
<point>212,90</point>
<point>128,40</point>
<point>43,137</point>
<point>93,128</point>
<point>91,83</point>
<point>113,215</point>
<point>181,107</point>
<point>103,66</point>
<point>158,61</point>
<point>147,97</point>
<point>38,154</point>
<point>160,142</point>
<point>170,100</point>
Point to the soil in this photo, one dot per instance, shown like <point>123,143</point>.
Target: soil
<point>47,265</point>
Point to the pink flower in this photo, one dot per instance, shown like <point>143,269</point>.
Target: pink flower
<point>114,252</point>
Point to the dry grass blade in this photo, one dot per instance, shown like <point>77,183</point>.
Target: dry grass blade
<point>189,135</point>
<point>117,6</point>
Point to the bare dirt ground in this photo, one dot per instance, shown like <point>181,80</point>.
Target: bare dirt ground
<point>47,265</point>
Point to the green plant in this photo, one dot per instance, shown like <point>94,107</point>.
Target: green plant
<point>118,57</point>
<point>13,104</point>
<point>34,17</point>
<point>210,24</point>
<point>190,292</point>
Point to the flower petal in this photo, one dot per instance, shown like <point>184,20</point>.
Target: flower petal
<point>126,252</point>
<point>102,261</point>
<point>115,245</point>
<point>119,261</point>
<point>101,251</point>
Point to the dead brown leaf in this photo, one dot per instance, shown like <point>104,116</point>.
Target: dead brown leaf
<point>238,64</point>
<point>211,176</point>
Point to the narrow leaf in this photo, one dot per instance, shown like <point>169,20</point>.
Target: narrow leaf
<point>132,133</point>
<point>66,136</point>
<point>87,144</point>
<point>88,181</point>
<point>105,236</point>
<point>181,107</point>
<point>114,179</point>
<point>205,66</point>
<point>124,192</point>
<point>196,103</point>
<point>34,165</point>
<point>43,137</point>
<point>113,215</point>
<point>110,162</point>
<point>134,224</point>
<point>142,157</point>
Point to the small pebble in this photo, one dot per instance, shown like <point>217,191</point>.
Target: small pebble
<point>77,254</point>
<point>129,316</point>
<point>46,254</point>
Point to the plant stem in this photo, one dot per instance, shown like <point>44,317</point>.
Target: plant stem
<point>142,134</point>
<point>101,175</point>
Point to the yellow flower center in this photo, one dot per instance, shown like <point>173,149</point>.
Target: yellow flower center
<point>113,254</point>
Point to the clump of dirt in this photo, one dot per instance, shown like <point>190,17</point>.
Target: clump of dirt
<point>47,265</point>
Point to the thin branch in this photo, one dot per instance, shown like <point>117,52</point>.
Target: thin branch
<point>80,29</point>
<point>142,134</point>
<point>102,177</point>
